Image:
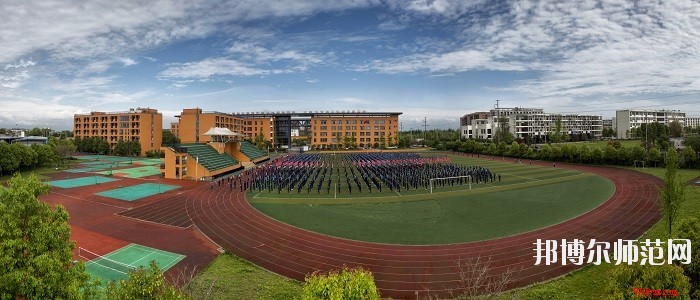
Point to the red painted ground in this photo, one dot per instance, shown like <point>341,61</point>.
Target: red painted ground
<point>400,271</point>
<point>95,224</point>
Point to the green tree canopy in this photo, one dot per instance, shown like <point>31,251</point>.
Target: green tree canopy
<point>35,248</point>
<point>673,192</point>
<point>144,284</point>
<point>169,138</point>
<point>347,284</point>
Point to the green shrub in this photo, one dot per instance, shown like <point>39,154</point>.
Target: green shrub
<point>348,284</point>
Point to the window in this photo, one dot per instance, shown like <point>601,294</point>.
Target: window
<point>324,140</point>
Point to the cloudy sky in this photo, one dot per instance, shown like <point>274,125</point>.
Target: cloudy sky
<point>437,59</point>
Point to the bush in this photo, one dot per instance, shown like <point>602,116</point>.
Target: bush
<point>624,278</point>
<point>348,284</point>
<point>690,229</point>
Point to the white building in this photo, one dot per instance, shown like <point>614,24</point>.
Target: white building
<point>692,122</point>
<point>629,119</point>
<point>526,123</point>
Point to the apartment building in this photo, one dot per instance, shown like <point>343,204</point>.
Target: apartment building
<point>629,119</point>
<point>365,129</point>
<point>142,124</point>
<point>193,123</point>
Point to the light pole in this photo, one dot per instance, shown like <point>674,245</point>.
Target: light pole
<point>196,168</point>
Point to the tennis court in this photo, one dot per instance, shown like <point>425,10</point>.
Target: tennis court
<point>139,191</point>
<point>117,264</point>
<point>82,181</point>
<point>137,172</point>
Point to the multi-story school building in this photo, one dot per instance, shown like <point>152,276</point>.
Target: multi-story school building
<point>142,124</point>
<point>629,119</point>
<point>320,130</point>
<point>527,123</point>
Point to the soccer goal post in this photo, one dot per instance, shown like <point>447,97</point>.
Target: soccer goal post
<point>433,180</point>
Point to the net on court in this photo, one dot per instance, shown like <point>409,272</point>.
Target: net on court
<point>139,191</point>
<point>117,264</point>
<point>137,172</point>
<point>82,181</point>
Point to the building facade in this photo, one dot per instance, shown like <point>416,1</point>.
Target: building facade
<point>528,123</point>
<point>361,129</point>
<point>476,125</point>
<point>630,119</point>
<point>142,124</point>
<point>193,123</point>
<point>692,122</point>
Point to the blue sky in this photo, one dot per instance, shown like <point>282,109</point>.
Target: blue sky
<point>437,59</point>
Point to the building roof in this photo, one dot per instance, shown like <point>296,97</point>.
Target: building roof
<point>221,131</point>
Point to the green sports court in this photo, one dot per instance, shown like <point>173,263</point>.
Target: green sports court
<point>82,181</point>
<point>116,264</point>
<point>132,193</point>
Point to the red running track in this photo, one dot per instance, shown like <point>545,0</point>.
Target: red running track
<point>404,271</point>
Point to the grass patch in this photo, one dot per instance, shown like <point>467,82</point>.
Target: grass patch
<point>590,282</point>
<point>40,173</point>
<point>232,277</point>
<point>447,219</point>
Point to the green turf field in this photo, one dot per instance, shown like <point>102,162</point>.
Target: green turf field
<point>529,197</point>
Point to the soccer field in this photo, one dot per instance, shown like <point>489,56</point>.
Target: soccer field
<point>529,197</point>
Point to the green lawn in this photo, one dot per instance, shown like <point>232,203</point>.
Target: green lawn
<point>529,197</point>
<point>590,282</point>
<point>40,173</point>
<point>231,277</point>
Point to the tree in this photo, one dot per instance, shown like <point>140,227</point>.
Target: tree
<point>259,139</point>
<point>348,284</point>
<point>673,192</point>
<point>690,229</point>
<point>119,148</point>
<point>169,138</point>
<point>689,157</point>
<point>692,141</point>
<point>45,154</point>
<point>624,278</point>
<point>35,248</point>
<point>610,154</point>
<point>36,131</point>
<point>654,157</point>
<point>102,146</point>
<point>675,129</point>
<point>144,284</point>
<point>585,155</point>
<point>63,149</point>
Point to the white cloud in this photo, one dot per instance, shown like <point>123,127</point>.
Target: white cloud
<point>128,61</point>
<point>211,67</point>
<point>32,111</point>
<point>579,48</point>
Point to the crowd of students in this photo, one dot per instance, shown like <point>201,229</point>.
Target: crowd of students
<point>359,172</point>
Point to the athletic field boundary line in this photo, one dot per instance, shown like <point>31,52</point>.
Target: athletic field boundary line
<point>81,199</point>
<point>220,249</point>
